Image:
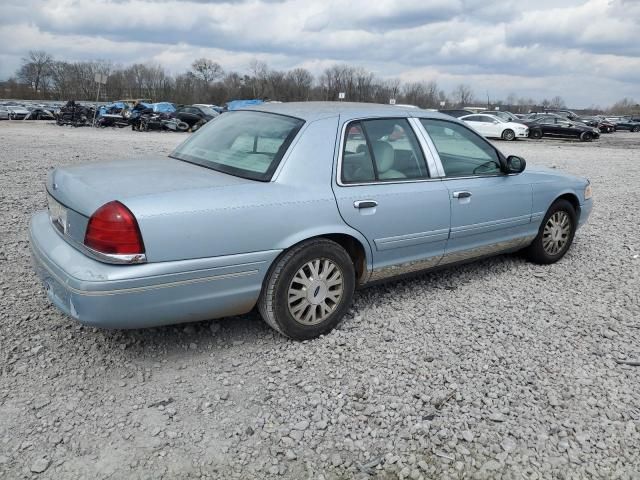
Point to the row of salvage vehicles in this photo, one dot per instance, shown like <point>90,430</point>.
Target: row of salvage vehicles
<point>508,126</point>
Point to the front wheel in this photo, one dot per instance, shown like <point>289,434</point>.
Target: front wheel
<point>586,137</point>
<point>536,134</point>
<point>635,129</point>
<point>508,135</point>
<point>555,235</point>
<point>308,289</point>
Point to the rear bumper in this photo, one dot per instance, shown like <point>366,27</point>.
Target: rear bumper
<point>147,295</point>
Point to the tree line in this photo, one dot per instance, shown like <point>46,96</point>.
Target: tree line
<point>41,76</point>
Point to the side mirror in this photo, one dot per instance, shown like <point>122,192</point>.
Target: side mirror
<point>515,164</point>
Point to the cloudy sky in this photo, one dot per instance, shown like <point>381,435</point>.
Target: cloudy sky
<point>587,51</point>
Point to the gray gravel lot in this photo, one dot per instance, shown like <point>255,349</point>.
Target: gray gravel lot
<point>498,369</point>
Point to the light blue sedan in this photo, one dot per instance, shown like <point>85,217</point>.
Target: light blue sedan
<point>290,208</point>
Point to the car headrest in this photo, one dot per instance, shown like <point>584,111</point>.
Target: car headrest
<point>384,155</point>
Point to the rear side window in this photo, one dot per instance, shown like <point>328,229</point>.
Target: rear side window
<point>462,152</point>
<point>381,150</point>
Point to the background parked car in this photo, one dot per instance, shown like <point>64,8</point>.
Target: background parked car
<point>196,116</point>
<point>491,126</point>
<point>563,113</point>
<point>17,112</point>
<point>4,113</point>
<point>457,113</point>
<point>598,122</point>
<point>39,113</point>
<point>508,116</point>
<point>553,126</point>
<point>625,123</point>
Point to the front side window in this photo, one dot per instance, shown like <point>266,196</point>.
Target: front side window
<point>462,152</point>
<point>381,150</point>
<point>242,143</point>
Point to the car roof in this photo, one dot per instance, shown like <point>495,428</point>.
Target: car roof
<point>310,111</point>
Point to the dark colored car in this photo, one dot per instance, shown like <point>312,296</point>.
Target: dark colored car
<point>457,113</point>
<point>600,123</point>
<point>626,123</point>
<point>563,113</point>
<point>39,113</point>
<point>196,115</point>
<point>553,126</point>
<point>535,131</point>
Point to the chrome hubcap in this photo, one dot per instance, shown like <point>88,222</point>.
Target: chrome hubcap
<point>315,291</point>
<point>556,233</point>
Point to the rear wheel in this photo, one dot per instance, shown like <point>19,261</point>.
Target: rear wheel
<point>508,135</point>
<point>635,129</point>
<point>555,235</point>
<point>308,289</point>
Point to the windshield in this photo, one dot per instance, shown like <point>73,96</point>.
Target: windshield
<point>242,143</point>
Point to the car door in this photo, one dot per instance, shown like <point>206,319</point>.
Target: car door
<point>387,188</point>
<point>478,124</point>
<point>493,127</point>
<point>547,124</point>
<point>490,211</point>
<point>567,129</point>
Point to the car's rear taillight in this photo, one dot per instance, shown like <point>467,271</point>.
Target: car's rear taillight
<point>113,230</point>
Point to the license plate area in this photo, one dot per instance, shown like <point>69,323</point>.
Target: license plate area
<point>57,214</point>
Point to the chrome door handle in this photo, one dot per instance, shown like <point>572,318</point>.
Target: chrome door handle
<point>365,204</point>
<point>461,194</point>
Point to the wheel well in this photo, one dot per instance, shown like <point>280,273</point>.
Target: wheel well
<point>573,200</point>
<point>355,249</point>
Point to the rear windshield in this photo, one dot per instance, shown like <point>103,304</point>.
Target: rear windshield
<point>242,143</point>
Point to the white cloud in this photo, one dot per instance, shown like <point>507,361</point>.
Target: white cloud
<point>575,48</point>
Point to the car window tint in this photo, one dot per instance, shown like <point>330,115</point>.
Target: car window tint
<point>472,118</point>
<point>381,150</point>
<point>462,152</point>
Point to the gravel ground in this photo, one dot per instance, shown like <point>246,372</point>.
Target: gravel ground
<point>498,369</point>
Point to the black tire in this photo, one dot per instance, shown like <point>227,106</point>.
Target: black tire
<point>508,135</point>
<point>182,126</point>
<point>536,252</point>
<point>636,129</point>
<point>586,136</point>
<point>273,302</point>
<point>536,134</point>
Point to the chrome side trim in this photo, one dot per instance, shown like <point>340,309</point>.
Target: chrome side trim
<point>486,250</point>
<point>411,239</point>
<point>432,159</point>
<point>422,132</point>
<point>448,258</point>
<point>476,228</point>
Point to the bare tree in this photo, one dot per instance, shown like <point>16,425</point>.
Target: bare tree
<point>557,102</point>
<point>462,95</point>
<point>35,69</point>
<point>624,106</point>
<point>206,70</point>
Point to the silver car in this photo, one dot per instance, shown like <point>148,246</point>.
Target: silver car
<point>291,208</point>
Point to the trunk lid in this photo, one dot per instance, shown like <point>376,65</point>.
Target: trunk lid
<point>85,188</point>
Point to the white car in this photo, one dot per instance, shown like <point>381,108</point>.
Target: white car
<point>4,113</point>
<point>491,126</point>
<point>17,112</point>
